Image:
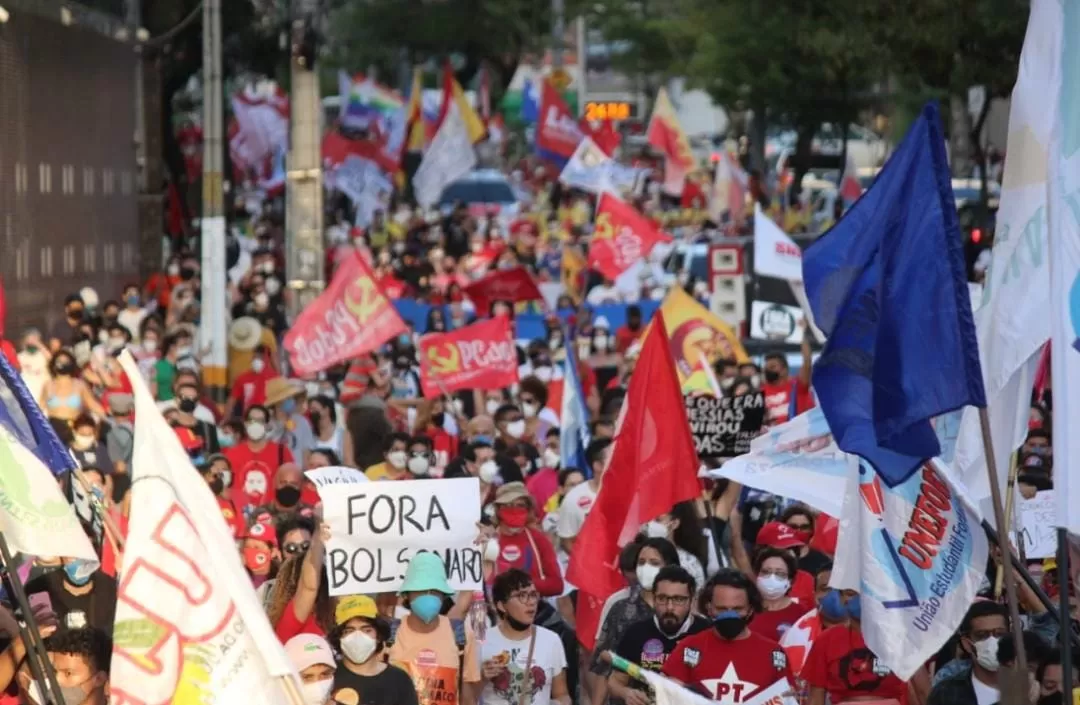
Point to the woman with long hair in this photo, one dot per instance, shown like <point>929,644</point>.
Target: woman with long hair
<point>300,602</point>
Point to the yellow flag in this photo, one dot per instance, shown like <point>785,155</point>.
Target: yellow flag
<point>472,121</point>
<point>697,335</point>
<point>573,263</point>
<point>415,115</point>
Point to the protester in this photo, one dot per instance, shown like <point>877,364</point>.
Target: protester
<point>579,501</point>
<point>985,624</point>
<point>64,396</point>
<point>81,595</point>
<point>363,676</point>
<point>80,659</point>
<point>395,464</point>
<point>683,528</point>
<point>289,427</point>
<point>774,569</point>
<point>313,659</point>
<point>521,544</point>
<point>254,461</point>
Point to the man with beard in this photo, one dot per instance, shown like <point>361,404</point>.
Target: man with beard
<point>650,641</point>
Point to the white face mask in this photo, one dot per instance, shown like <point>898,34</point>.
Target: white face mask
<point>551,458</point>
<point>489,471</point>
<point>256,430</point>
<point>543,373</point>
<point>530,410</point>
<point>150,345</point>
<point>656,530</point>
<point>317,692</point>
<point>419,465</point>
<point>459,407</point>
<point>646,575</point>
<point>773,587</point>
<point>986,653</point>
<point>358,647</point>
<point>262,300</point>
<point>600,342</point>
<point>84,441</point>
<point>273,286</point>
<point>516,429</point>
<point>398,459</point>
<point>258,365</point>
<point>492,406</point>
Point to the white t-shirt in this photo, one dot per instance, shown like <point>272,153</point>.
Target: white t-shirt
<point>132,320</point>
<point>984,694</point>
<point>548,661</point>
<point>575,506</point>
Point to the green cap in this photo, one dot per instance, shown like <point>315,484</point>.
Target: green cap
<point>426,572</point>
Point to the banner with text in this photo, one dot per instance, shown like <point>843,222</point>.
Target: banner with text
<point>376,529</point>
<point>479,356</point>
<point>723,427</point>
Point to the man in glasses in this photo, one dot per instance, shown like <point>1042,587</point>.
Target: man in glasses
<point>650,641</point>
<point>522,662</point>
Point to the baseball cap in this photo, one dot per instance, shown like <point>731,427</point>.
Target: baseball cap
<point>777,534</point>
<point>261,531</point>
<point>307,650</point>
<point>510,492</point>
<point>353,607</point>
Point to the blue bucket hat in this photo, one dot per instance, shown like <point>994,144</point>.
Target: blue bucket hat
<point>426,572</point>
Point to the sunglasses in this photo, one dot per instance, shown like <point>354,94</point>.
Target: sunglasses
<point>293,549</point>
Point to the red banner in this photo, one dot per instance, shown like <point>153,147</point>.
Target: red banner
<point>557,132</point>
<point>351,318</point>
<point>510,285</point>
<point>480,356</point>
<point>622,236</point>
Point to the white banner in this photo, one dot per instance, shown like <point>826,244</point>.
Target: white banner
<point>336,475</point>
<point>776,322</point>
<point>376,528</point>
<point>450,157</point>
<point>590,169</point>
<point>775,254</point>
<point>189,627</point>
<point>1035,519</point>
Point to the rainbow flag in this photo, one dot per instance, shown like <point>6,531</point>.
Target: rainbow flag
<point>366,104</point>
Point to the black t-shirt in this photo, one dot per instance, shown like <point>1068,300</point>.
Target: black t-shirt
<point>391,687</point>
<point>644,644</point>
<point>814,562</point>
<point>94,609</point>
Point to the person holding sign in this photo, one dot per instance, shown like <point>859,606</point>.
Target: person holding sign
<point>441,658</point>
<point>364,678</point>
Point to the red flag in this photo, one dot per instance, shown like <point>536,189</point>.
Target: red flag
<point>352,317</point>
<point>622,237</point>
<point>557,132</point>
<point>653,467</point>
<point>511,285</point>
<point>606,137</point>
<point>480,356</point>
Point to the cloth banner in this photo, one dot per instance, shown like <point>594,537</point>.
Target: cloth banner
<point>724,427</point>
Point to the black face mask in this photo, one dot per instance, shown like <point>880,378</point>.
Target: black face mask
<point>633,324</point>
<point>772,376</point>
<point>438,418</point>
<point>730,625</point>
<point>287,496</point>
<point>187,273</point>
<point>65,368</point>
<point>187,405</point>
<point>76,314</point>
<point>217,485</point>
<point>515,624</point>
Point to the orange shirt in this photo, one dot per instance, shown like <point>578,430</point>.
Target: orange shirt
<point>432,661</point>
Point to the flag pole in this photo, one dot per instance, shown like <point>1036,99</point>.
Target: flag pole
<point>291,692</point>
<point>1003,545</point>
<point>1066,619</point>
<point>40,665</point>
<point>1010,501</point>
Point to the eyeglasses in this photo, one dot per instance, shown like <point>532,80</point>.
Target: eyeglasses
<point>526,597</point>
<point>294,548</point>
<point>673,600</point>
<point>774,573</point>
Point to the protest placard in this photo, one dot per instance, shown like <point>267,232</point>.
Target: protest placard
<point>377,527</point>
<point>1037,518</point>
<point>335,475</point>
<point>724,426</point>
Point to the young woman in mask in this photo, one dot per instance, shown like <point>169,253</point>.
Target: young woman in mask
<point>363,677</point>
<point>322,413</point>
<point>313,658</point>
<point>521,544</point>
<point>774,569</point>
<point>64,396</point>
<point>683,528</point>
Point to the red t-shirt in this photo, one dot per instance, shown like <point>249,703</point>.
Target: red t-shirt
<point>254,472</point>
<point>840,663</point>
<point>624,338</point>
<point>729,671</point>
<point>516,551</point>
<point>772,625</point>
<point>803,588</point>
<point>778,400</point>
<point>289,626</point>
<point>250,388</point>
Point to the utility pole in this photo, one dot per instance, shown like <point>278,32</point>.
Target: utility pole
<point>304,192</point>
<point>212,329</point>
<point>558,32</point>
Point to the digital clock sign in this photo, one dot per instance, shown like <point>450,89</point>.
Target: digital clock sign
<point>615,111</point>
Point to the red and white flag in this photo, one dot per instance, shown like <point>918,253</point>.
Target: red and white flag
<point>621,237</point>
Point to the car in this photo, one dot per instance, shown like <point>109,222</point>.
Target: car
<point>485,192</point>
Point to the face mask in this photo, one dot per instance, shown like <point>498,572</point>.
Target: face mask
<point>426,608</point>
<point>187,273</point>
<point>226,475</point>
<point>772,376</point>
<point>258,365</point>
<point>986,653</point>
<point>646,575</point>
<point>318,692</point>
<point>287,495</point>
<point>187,405</point>
<point>853,607</point>
<point>755,381</point>
<point>514,517</point>
<point>600,342</point>
<point>358,647</point>
<point>267,267</point>
<point>256,430</point>
<point>173,270</point>
<point>551,458</point>
<point>65,368</point>
<point>116,344</point>
<point>515,429</point>
<point>488,472</point>
<point>419,465</point>
<point>729,624</point>
<point>492,406</point>
<point>226,441</point>
<point>83,441</point>
<point>132,300</point>
<point>398,459</point>
<point>543,373</point>
<point>656,530</point>
<point>773,587</point>
<point>78,572</point>
<point>459,407</point>
<point>289,406</point>
<point>529,410</point>
<point>74,695</point>
<point>257,560</point>
<point>150,345</point>
<point>217,485</point>
<point>482,439</point>
<point>832,608</point>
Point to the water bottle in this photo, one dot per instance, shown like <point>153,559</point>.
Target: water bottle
<point>478,616</point>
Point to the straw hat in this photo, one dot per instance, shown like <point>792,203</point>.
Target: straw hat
<point>245,333</point>
<point>279,389</point>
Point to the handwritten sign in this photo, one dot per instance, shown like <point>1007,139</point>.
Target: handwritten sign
<point>1036,518</point>
<point>377,527</point>
<point>337,475</point>
<point>723,427</point>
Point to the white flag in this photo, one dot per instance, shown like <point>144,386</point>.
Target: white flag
<point>590,169</point>
<point>450,157</point>
<point>1012,323</point>
<point>775,253</point>
<point>35,518</point>
<point>1064,236</point>
<point>189,627</point>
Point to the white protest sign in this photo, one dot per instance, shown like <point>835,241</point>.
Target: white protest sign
<point>335,475</point>
<point>377,527</point>
<point>779,693</point>
<point>776,322</point>
<point>1037,520</point>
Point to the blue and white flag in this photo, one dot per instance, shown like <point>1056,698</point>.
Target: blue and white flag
<point>23,418</point>
<point>798,460</point>
<point>590,169</point>
<point>574,436</point>
<point>916,553</point>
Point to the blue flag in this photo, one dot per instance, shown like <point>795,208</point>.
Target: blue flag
<point>887,284</point>
<point>530,102</point>
<point>574,435</point>
<point>22,417</point>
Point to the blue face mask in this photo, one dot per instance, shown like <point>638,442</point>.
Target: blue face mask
<point>226,441</point>
<point>426,607</point>
<point>832,608</point>
<point>854,608</point>
<point>288,406</point>
<point>482,439</point>
<point>77,573</point>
